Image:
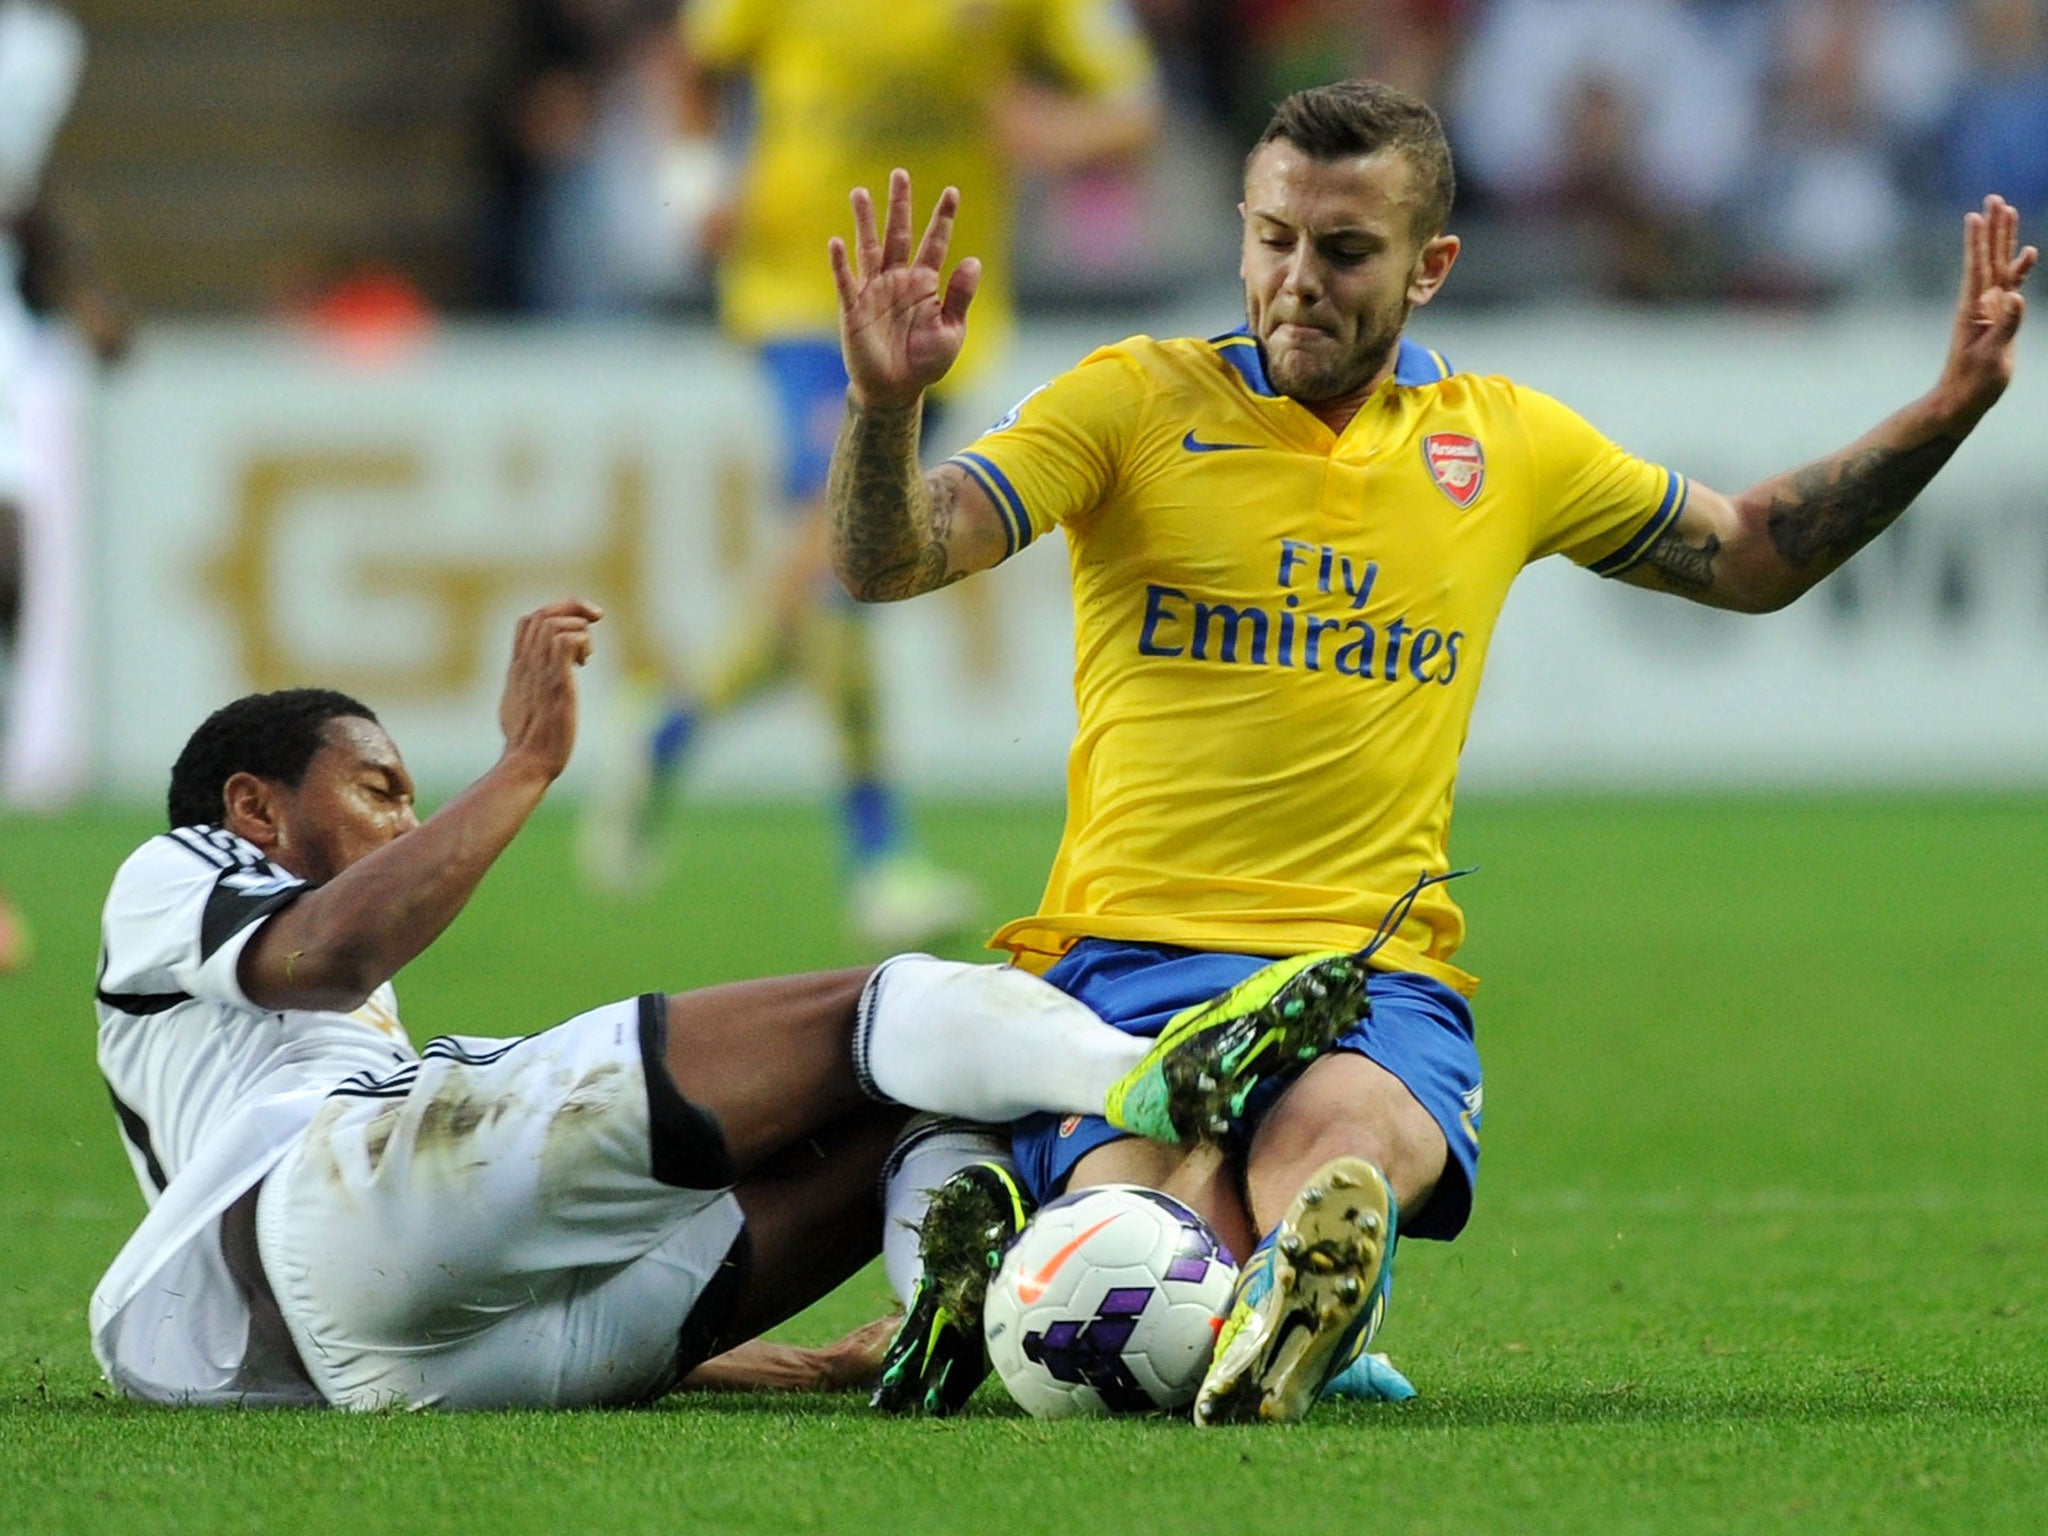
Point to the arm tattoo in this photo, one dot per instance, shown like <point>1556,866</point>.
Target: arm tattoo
<point>891,524</point>
<point>1688,567</point>
<point>1830,510</point>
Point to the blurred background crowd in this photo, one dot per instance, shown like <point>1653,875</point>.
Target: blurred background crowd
<point>369,168</point>
<point>541,157</point>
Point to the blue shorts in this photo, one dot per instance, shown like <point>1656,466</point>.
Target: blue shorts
<point>1419,1030</point>
<point>809,377</point>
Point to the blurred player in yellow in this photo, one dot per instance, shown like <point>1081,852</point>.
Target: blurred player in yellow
<point>1289,546</point>
<point>966,93</point>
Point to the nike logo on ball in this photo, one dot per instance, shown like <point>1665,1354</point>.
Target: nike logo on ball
<point>1194,444</point>
<point>1031,1287</point>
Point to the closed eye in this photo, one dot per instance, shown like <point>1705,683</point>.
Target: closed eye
<point>389,787</point>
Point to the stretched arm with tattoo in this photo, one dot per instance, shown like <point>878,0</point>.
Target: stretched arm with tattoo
<point>1758,551</point>
<point>896,531</point>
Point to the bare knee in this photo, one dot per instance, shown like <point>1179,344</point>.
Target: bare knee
<point>1203,1179</point>
<point>1344,1106</point>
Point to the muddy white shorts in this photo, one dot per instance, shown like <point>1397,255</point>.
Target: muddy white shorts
<point>506,1223</point>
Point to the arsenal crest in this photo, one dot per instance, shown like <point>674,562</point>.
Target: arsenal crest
<point>1456,463</point>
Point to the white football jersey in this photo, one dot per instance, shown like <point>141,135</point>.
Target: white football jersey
<point>210,1090</point>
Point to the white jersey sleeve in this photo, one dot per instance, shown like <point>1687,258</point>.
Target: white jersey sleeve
<point>210,1090</point>
<point>182,909</point>
<point>180,1043</point>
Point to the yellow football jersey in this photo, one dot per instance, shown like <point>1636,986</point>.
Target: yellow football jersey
<point>1279,632</point>
<point>843,93</point>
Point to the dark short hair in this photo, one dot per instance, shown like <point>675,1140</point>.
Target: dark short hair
<point>1363,117</point>
<point>272,735</point>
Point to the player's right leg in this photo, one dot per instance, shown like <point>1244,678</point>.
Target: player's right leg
<point>989,1043</point>
<point>620,826</point>
<point>994,1043</point>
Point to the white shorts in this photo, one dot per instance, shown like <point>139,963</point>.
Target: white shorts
<point>503,1224</point>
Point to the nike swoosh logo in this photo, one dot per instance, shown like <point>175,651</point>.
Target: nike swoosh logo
<point>1031,1287</point>
<point>1194,444</point>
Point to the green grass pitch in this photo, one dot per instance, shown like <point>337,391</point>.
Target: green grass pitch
<point>1762,1242</point>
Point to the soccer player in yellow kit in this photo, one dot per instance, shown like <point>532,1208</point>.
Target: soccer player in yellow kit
<point>1289,545</point>
<point>964,93</point>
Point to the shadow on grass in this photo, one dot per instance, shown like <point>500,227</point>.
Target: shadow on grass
<point>1629,1403</point>
<point>1534,1406</point>
<point>1591,1403</point>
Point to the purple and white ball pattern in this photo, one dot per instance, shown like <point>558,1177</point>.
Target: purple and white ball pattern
<point>1108,1302</point>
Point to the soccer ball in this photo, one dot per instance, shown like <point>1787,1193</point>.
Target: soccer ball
<point>1108,1302</point>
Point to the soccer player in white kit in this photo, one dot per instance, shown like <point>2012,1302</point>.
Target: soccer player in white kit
<point>42,54</point>
<point>580,1216</point>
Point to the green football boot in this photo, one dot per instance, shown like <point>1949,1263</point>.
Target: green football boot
<point>1308,1303</point>
<point>938,1356</point>
<point>1209,1058</point>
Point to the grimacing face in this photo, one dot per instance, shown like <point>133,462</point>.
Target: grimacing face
<point>356,796</point>
<point>1332,266</point>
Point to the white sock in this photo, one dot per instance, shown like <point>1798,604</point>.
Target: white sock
<point>930,1151</point>
<point>985,1042</point>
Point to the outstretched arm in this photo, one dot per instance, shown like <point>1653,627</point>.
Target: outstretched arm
<point>851,1363</point>
<point>896,531</point>
<point>1760,550</point>
<point>337,944</point>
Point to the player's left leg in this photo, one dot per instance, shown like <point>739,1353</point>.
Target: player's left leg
<point>581,1215</point>
<point>1344,1105</point>
<point>1308,1300</point>
<point>1378,1137</point>
<point>897,897</point>
<point>771,1061</point>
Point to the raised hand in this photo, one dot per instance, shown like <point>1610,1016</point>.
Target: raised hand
<point>900,329</point>
<point>1989,311</point>
<point>537,711</point>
